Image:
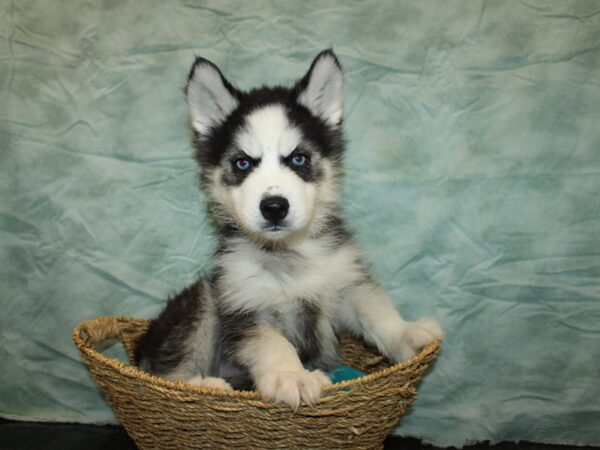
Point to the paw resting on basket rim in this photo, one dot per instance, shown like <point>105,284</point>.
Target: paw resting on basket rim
<point>293,387</point>
<point>416,336</point>
<point>210,382</point>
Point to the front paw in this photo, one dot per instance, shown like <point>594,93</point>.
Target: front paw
<point>293,387</point>
<point>211,382</point>
<point>417,335</point>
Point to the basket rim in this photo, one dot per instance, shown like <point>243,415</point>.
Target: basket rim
<point>425,355</point>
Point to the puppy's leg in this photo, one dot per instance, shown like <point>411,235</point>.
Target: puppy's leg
<point>276,368</point>
<point>370,312</point>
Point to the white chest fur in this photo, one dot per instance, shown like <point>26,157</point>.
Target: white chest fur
<point>313,270</point>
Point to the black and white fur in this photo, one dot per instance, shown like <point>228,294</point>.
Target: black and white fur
<point>287,277</point>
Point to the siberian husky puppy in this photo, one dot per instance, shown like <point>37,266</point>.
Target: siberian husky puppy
<point>287,278</point>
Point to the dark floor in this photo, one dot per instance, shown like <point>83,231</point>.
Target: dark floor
<point>44,436</point>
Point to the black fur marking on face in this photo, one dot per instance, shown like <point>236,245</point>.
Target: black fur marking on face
<point>309,171</point>
<point>162,347</point>
<point>216,144</point>
<point>327,140</point>
<point>232,175</point>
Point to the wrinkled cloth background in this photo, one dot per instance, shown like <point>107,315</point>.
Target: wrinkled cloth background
<point>473,184</point>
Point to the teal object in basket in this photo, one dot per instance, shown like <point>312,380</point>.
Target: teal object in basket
<point>344,373</point>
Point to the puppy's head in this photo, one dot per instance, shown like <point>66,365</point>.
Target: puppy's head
<point>269,157</point>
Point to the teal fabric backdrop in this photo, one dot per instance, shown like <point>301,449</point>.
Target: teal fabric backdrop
<point>473,184</point>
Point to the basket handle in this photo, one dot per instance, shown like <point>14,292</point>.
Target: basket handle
<point>95,333</point>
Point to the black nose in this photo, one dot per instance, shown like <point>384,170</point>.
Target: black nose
<point>274,209</point>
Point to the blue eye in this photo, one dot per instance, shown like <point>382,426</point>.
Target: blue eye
<point>299,160</point>
<point>242,164</point>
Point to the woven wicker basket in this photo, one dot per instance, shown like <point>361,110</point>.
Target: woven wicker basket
<point>162,414</point>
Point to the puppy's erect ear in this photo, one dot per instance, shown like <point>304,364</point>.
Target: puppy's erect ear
<point>211,98</point>
<point>321,89</point>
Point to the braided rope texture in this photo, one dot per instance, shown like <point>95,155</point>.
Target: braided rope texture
<point>163,414</point>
